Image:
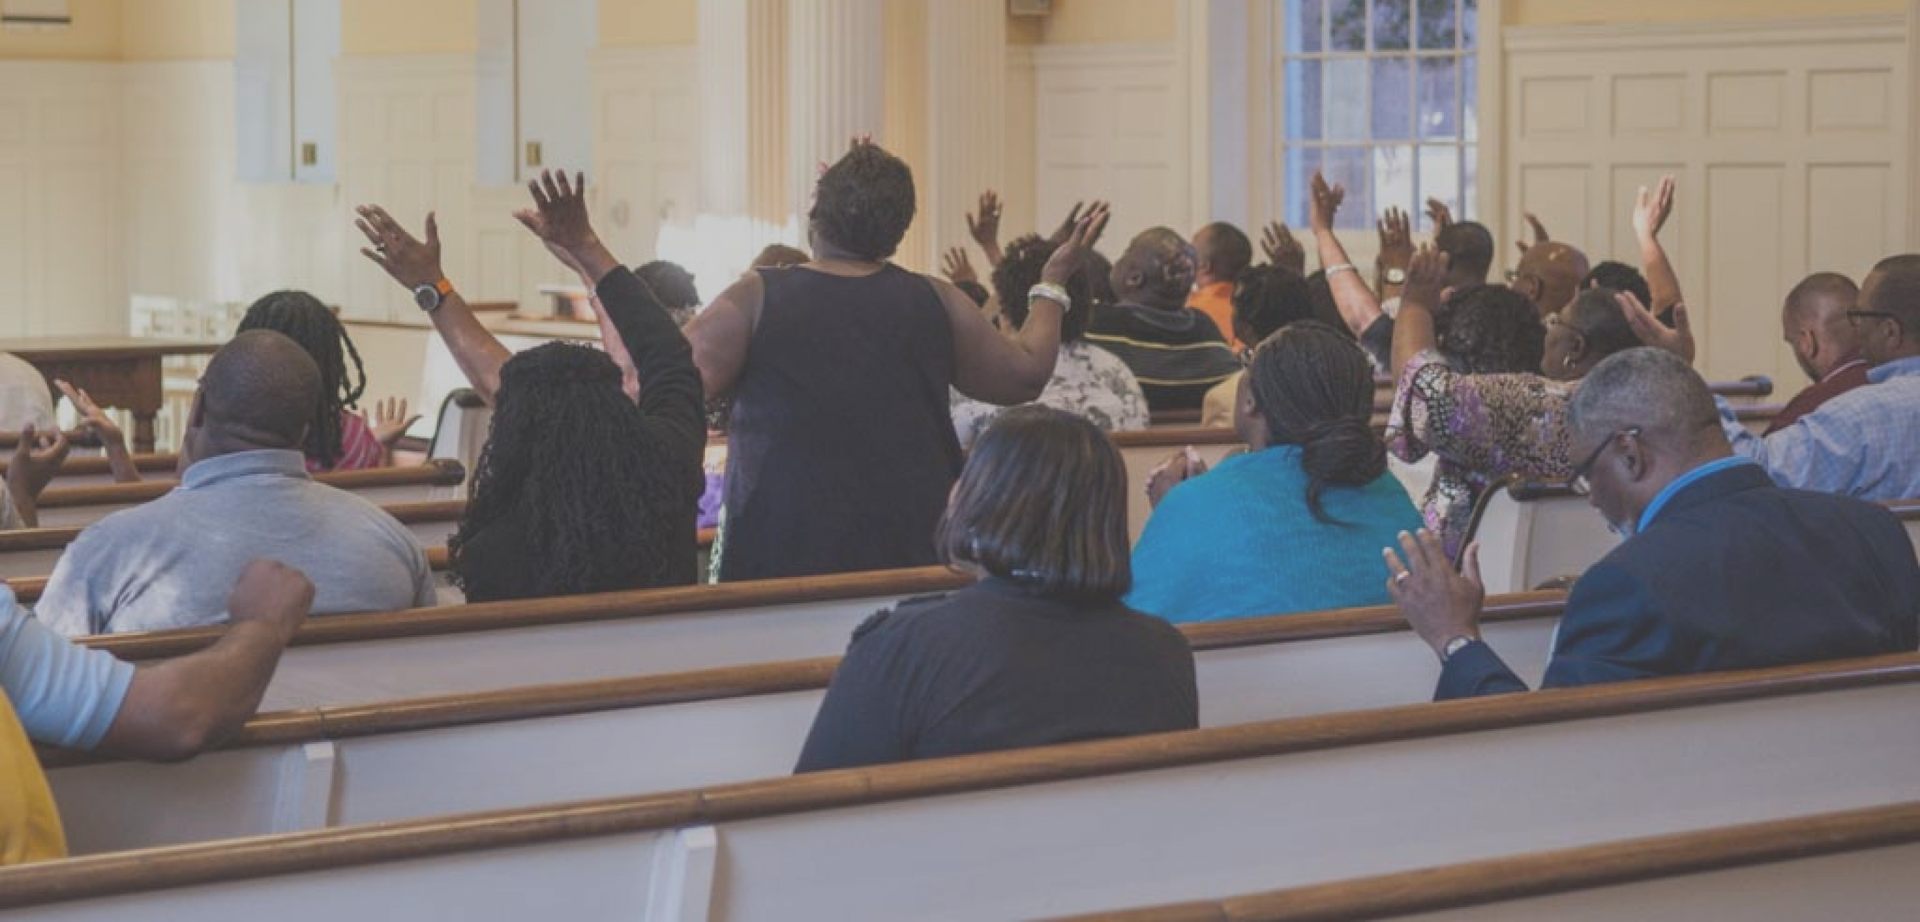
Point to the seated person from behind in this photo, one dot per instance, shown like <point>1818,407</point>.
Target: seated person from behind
<point>62,694</point>
<point>1824,342</point>
<point>24,397</point>
<point>1222,253</point>
<point>673,286</point>
<point>339,438</point>
<point>1721,569</point>
<point>1281,528</point>
<point>1088,381</point>
<point>1040,650</point>
<point>1267,300</point>
<point>244,493</point>
<point>1174,350</point>
<point>580,488</point>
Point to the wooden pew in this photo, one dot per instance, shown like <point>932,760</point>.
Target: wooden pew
<point>32,552</point>
<point>349,659</point>
<point>93,470</point>
<point>1083,827</point>
<point>1532,532</point>
<point>1853,864</point>
<point>439,478</point>
<point>390,761</point>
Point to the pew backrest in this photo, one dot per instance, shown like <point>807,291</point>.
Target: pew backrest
<point>390,761</point>
<point>1088,826</point>
<point>93,470</point>
<point>437,479</point>
<point>461,432</point>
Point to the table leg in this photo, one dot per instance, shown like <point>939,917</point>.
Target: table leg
<point>143,440</point>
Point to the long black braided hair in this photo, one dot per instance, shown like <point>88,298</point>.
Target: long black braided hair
<point>1315,390</point>
<point>302,318</point>
<point>571,464</point>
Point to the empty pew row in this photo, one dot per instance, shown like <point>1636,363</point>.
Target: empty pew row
<point>439,478</point>
<point>465,649</point>
<point>520,747</point>
<point>1531,533</point>
<point>93,470</point>
<point>1851,864</point>
<point>1084,827</point>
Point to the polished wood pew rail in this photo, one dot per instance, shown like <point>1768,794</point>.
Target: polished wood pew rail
<point>97,466</point>
<point>340,722</point>
<point>436,472</point>
<point>1552,872</point>
<point>310,852</point>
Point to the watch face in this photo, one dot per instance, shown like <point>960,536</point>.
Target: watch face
<point>1396,276</point>
<point>427,296</point>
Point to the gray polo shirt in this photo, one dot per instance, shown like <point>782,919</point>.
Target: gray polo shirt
<point>171,562</point>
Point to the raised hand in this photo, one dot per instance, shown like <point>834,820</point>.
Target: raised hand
<point>389,420</point>
<point>984,225</point>
<point>559,218</point>
<point>1652,208</point>
<point>1326,203</point>
<point>1441,215</point>
<point>412,262</point>
<point>1065,230</point>
<point>1540,234</point>
<point>36,459</point>
<point>1071,255</point>
<point>1426,276</point>
<point>93,420</point>
<point>1182,466</point>
<point>1677,339</point>
<point>1282,248</point>
<point>1437,602</point>
<point>957,267</point>
<point>1396,239</point>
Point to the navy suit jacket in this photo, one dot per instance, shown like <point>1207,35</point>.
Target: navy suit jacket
<point>1734,573</point>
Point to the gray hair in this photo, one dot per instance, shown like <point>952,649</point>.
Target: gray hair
<point>1648,388</point>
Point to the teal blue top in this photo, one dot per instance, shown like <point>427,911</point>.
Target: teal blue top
<point>1238,542</point>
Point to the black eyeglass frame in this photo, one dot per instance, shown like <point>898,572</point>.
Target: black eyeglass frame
<point>1578,481</point>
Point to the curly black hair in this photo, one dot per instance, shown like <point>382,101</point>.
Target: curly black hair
<point>302,318</point>
<point>670,282</point>
<point>1269,298</point>
<point>570,462</point>
<point>1021,263</point>
<point>864,203</point>
<point>1620,277</point>
<point>1491,329</point>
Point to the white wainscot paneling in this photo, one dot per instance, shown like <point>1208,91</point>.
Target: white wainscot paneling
<point>1788,139</point>
<point>646,169</point>
<point>1109,124</point>
<point>60,201</point>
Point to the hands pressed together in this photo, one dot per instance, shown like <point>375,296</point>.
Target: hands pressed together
<point>1180,467</point>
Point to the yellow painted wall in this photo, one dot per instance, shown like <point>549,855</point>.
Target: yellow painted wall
<point>642,23</point>
<point>1091,22</point>
<point>177,30</point>
<point>378,28</point>
<point>1590,12</point>
<point>94,36</point>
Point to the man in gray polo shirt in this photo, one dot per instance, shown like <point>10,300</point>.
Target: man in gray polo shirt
<point>245,493</point>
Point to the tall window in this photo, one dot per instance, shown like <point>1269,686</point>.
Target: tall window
<point>1380,95</point>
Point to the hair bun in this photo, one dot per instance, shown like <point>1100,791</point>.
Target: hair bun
<point>1343,451</point>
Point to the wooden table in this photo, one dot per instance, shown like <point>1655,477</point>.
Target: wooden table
<point>116,371</point>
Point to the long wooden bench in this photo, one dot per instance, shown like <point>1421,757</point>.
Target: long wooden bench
<point>513,747</point>
<point>439,478</point>
<point>1852,864</point>
<point>1083,827</point>
<point>350,659</point>
<point>93,470</point>
<point>33,552</point>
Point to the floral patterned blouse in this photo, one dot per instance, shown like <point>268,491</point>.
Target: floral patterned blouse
<point>1087,380</point>
<point>1481,429</point>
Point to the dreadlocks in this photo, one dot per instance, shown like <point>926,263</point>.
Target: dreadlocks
<point>302,318</point>
<point>570,463</point>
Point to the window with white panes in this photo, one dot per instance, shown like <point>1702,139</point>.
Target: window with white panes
<point>1380,96</point>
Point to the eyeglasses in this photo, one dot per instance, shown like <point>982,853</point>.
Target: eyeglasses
<point>1578,482</point>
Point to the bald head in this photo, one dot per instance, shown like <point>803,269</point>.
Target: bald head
<point>1222,253</point>
<point>1549,274</point>
<point>1157,270</point>
<point>1814,323</point>
<point>259,391</point>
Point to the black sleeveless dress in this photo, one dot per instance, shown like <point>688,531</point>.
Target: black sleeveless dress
<point>841,449</point>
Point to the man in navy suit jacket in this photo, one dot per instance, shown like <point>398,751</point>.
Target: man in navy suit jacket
<point>1721,569</point>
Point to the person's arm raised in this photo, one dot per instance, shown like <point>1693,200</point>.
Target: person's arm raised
<point>1006,370</point>
<point>1650,212</point>
<point>1357,304</point>
<point>984,227</point>
<point>669,382</point>
<point>415,263</point>
<point>177,708</point>
<point>95,420</point>
<point>1413,331</point>
<point>36,459</point>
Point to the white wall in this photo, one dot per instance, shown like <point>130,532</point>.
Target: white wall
<point>1110,123</point>
<point>61,264</point>
<point>1788,139</point>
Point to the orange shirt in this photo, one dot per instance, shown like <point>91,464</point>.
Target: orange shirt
<point>1216,301</point>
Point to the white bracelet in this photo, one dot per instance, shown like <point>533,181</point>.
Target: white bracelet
<point>1048,291</point>
<point>1343,267</point>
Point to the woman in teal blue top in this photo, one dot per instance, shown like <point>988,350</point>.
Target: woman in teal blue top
<point>1295,524</point>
